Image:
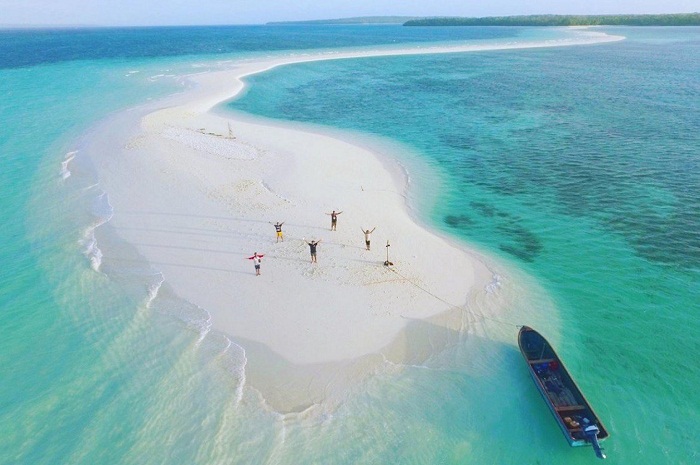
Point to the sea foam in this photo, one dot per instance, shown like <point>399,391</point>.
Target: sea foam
<point>236,362</point>
<point>65,172</point>
<point>153,289</point>
<point>494,285</point>
<point>102,211</point>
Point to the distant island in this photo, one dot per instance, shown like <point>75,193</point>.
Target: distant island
<point>681,19</point>
<point>357,20</point>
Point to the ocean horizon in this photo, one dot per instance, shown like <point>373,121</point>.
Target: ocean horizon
<point>576,167</point>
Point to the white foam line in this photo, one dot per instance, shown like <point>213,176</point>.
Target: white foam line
<point>242,377</point>
<point>89,242</point>
<point>229,343</point>
<point>65,172</point>
<point>283,431</point>
<point>103,209</point>
<point>90,249</point>
<point>204,326</point>
<point>404,365</point>
<point>240,373</point>
<point>153,290</point>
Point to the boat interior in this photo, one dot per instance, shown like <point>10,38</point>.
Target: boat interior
<point>561,390</point>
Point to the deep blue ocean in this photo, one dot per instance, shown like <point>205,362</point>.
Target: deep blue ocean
<point>577,166</point>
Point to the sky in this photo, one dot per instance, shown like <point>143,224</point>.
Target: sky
<point>201,12</point>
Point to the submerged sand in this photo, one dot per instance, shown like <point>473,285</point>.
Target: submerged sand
<point>195,192</point>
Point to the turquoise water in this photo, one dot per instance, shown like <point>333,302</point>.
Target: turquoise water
<point>579,166</point>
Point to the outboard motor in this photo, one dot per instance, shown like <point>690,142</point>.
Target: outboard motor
<point>591,433</point>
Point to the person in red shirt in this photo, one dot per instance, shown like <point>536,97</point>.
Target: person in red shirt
<point>257,258</point>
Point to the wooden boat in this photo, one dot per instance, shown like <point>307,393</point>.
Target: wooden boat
<point>574,415</point>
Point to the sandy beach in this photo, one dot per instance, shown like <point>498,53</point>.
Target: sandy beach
<point>195,192</point>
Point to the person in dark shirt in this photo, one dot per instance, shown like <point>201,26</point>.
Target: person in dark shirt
<point>312,249</point>
<point>278,228</point>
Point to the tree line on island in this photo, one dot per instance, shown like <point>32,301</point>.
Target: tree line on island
<point>360,20</point>
<point>680,19</point>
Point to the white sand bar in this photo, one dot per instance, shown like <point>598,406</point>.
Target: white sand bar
<point>196,203</point>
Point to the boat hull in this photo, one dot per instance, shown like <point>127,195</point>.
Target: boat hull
<point>571,410</point>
